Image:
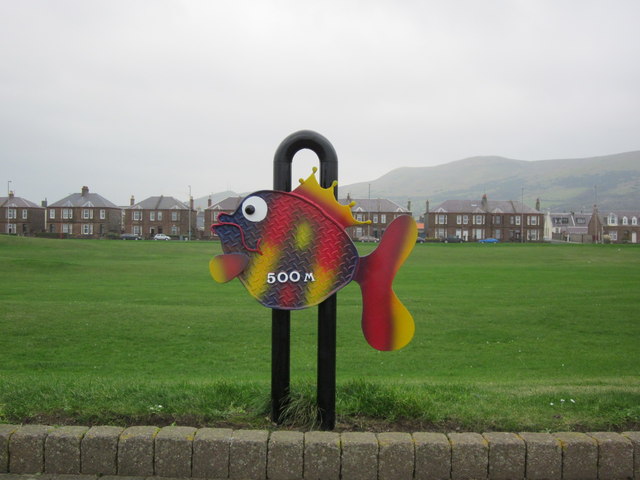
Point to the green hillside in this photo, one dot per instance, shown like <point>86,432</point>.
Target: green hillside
<point>561,185</point>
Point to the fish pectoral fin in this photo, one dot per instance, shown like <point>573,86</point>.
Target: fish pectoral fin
<point>227,266</point>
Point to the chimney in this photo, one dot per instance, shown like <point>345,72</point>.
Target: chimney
<point>409,205</point>
<point>85,190</point>
<point>209,202</point>
<point>537,204</point>
<point>44,203</point>
<point>191,203</point>
<point>485,202</point>
<point>132,201</point>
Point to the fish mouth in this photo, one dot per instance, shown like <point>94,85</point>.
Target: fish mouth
<point>242,239</point>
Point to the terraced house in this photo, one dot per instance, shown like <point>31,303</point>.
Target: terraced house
<point>84,214</point>
<point>19,216</point>
<point>470,221</point>
<point>159,214</point>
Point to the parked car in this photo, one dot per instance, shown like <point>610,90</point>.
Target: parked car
<point>368,238</point>
<point>488,240</point>
<point>452,240</point>
<point>130,236</point>
<point>161,236</point>
<point>420,240</point>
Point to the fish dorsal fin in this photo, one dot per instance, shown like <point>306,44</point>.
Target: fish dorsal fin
<point>325,199</point>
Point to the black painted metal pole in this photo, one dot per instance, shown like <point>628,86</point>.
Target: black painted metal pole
<point>280,319</point>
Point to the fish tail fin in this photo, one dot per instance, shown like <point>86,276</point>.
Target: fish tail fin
<point>386,322</point>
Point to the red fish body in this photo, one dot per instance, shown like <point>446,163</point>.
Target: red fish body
<point>291,251</point>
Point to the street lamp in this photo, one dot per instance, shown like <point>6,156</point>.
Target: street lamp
<point>522,217</point>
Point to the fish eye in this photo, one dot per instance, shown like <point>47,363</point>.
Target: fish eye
<point>254,209</point>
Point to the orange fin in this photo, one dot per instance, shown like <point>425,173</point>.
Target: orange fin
<point>228,266</point>
<point>386,322</point>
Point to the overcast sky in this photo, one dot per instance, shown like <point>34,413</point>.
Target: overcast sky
<point>148,97</point>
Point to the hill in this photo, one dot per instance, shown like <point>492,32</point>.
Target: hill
<point>562,185</point>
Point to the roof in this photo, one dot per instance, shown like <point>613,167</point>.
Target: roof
<point>84,199</point>
<point>229,204</point>
<point>373,205</point>
<point>159,203</point>
<point>492,206</point>
<point>17,202</point>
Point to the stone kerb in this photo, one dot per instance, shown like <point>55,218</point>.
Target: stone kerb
<point>185,452</point>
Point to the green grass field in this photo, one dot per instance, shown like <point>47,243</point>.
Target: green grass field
<point>508,337</point>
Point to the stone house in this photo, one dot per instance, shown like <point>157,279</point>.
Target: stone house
<point>380,211</point>
<point>19,216</point>
<point>620,226</point>
<point>160,214</point>
<point>470,221</point>
<point>85,215</point>
<point>228,205</point>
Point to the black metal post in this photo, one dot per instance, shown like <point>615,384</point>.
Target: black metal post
<point>280,319</point>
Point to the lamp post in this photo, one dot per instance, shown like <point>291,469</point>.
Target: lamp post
<point>522,217</point>
<point>8,187</point>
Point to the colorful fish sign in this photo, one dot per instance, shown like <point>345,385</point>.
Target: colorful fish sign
<point>291,251</point>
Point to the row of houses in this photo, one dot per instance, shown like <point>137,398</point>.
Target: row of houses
<point>89,215</point>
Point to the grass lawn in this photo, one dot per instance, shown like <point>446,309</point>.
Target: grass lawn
<point>508,337</point>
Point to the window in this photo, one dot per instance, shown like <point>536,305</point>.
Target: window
<point>103,214</point>
<point>497,220</point>
<point>52,214</point>
<point>175,216</point>
<point>87,213</point>
<point>634,220</point>
<point>11,213</point>
<point>497,233</point>
<point>532,220</point>
<point>383,218</point>
<point>137,215</point>
<point>581,221</point>
<point>458,219</point>
<point>441,232</point>
<point>160,216</point>
<point>359,217</point>
<point>137,229</point>
<point>87,229</point>
<point>24,213</point>
<point>358,232</point>
<point>174,229</point>
<point>625,221</point>
<point>612,219</point>
<point>465,219</point>
<point>375,218</point>
<point>152,216</point>
<point>67,213</point>
<point>215,216</point>
<point>478,219</point>
<point>11,228</point>
<point>517,219</point>
<point>478,233</point>
<point>67,228</point>
<point>614,236</point>
<point>441,219</point>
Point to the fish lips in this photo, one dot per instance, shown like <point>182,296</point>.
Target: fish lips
<point>232,233</point>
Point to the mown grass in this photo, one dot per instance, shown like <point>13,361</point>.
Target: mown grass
<point>135,332</point>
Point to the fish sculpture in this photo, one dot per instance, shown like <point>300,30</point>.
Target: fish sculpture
<point>291,251</point>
